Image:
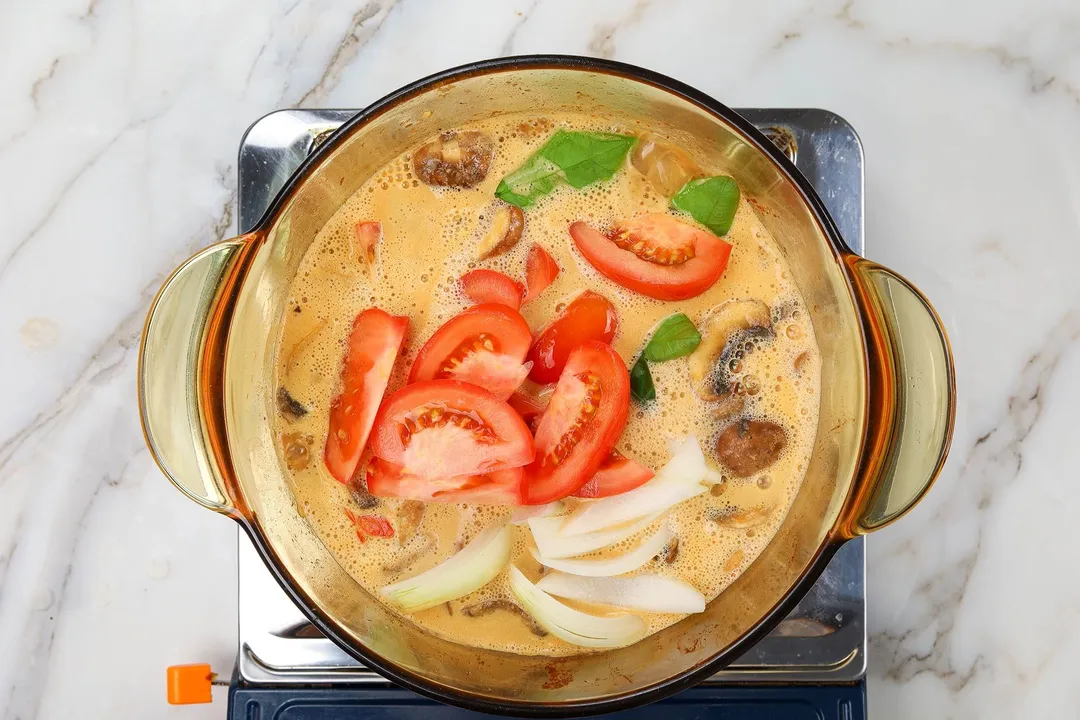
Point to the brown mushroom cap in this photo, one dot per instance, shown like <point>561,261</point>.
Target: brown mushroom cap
<point>723,332</point>
<point>454,159</point>
<point>747,447</point>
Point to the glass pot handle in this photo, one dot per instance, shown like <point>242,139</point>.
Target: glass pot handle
<point>180,363</point>
<point>912,398</point>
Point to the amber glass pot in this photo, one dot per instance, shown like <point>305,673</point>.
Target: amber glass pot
<point>887,397</point>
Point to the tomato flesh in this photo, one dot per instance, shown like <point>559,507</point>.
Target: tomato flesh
<point>655,255</point>
<point>441,428</point>
<point>540,271</point>
<point>369,359</point>
<point>484,345</point>
<point>368,233</point>
<point>617,475</point>
<point>488,286</point>
<point>502,487</point>
<point>370,525</point>
<point>579,428</point>
<point>589,317</point>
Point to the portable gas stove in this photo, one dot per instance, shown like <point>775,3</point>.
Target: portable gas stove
<point>813,663</point>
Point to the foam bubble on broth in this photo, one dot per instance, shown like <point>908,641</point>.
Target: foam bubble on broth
<point>429,240</point>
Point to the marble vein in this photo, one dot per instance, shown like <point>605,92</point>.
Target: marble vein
<point>602,42</point>
<point>523,17</point>
<point>356,35</point>
<point>993,462</point>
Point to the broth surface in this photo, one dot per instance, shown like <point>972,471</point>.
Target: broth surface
<point>429,241</point>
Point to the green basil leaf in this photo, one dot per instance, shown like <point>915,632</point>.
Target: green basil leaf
<point>586,157</point>
<point>675,338</point>
<point>536,178</point>
<point>575,158</point>
<point>711,201</point>
<point>641,384</point>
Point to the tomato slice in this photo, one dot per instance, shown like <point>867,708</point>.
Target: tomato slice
<point>370,525</point>
<point>369,359</point>
<point>585,417</point>
<point>588,317</point>
<point>485,346</point>
<point>488,286</point>
<point>502,487</point>
<point>540,271</point>
<point>442,428</point>
<point>655,255</point>
<point>617,475</point>
<point>368,234</point>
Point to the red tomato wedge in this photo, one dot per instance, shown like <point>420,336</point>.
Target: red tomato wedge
<point>502,487</point>
<point>588,317</point>
<point>369,359</point>
<point>368,233</point>
<point>442,428</point>
<point>540,271</point>
<point>655,255</point>
<point>485,345</point>
<point>488,286</point>
<point>617,475</point>
<point>370,525</point>
<point>578,429</point>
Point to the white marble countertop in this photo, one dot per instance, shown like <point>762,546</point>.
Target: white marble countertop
<point>118,147</point>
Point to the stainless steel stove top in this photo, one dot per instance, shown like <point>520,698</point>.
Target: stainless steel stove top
<point>822,640</point>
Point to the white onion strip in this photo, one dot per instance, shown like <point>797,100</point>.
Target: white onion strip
<point>606,567</point>
<point>572,625</point>
<point>649,593</point>
<point>474,566</point>
<point>524,513</point>
<point>679,479</point>
<point>547,532</point>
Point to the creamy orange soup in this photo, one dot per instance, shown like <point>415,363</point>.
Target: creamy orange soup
<point>429,239</point>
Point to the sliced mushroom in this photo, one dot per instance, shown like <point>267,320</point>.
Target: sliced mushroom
<point>800,360</point>
<point>747,447</point>
<point>454,159</point>
<point>724,333</point>
<point>409,517</point>
<point>734,561</point>
<point>359,492</point>
<point>671,553</point>
<point>289,406</point>
<point>667,167</point>
<point>492,604</point>
<point>742,518</point>
<point>506,229</point>
<point>423,544</point>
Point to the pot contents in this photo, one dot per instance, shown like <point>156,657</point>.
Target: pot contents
<point>545,384</point>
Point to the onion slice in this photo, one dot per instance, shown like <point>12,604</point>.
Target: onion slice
<point>713,477</point>
<point>650,593</point>
<point>525,513</point>
<point>572,625</point>
<point>679,479</point>
<point>474,566</point>
<point>547,532</point>
<point>606,567</point>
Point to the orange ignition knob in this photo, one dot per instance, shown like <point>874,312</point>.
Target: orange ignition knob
<point>188,684</point>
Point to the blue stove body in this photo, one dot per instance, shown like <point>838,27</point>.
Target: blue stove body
<point>723,702</point>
